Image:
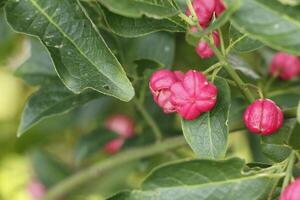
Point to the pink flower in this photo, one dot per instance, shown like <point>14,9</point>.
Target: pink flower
<point>220,7</point>
<point>285,66</point>
<point>291,192</point>
<point>121,124</point>
<point>263,117</point>
<point>160,83</point>
<point>193,95</point>
<point>36,189</point>
<point>203,49</point>
<point>204,10</point>
<point>114,146</point>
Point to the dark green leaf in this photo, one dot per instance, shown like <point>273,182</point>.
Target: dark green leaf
<point>270,22</point>
<point>92,142</point>
<point>158,47</point>
<point>203,180</point>
<point>244,44</point>
<point>137,8</point>
<point>239,64</point>
<point>208,134</point>
<point>48,169</point>
<point>38,69</point>
<point>81,57</point>
<point>276,146</point>
<point>135,27</point>
<point>52,99</point>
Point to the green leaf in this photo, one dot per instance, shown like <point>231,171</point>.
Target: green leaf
<point>276,146</point>
<point>81,57</point>
<point>241,65</point>
<point>92,142</point>
<point>158,47</point>
<point>244,44</point>
<point>270,22</point>
<point>203,180</point>
<point>52,99</point>
<point>38,69</point>
<point>48,169</point>
<point>137,8</point>
<point>208,134</point>
<point>136,27</point>
<point>298,113</point>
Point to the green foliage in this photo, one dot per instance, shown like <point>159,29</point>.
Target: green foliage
<point>203,179</point>
<point>81,57</point>
<point>269,22</point>
<point>84,50</point>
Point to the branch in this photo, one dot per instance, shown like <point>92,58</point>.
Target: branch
<point>99,168</point>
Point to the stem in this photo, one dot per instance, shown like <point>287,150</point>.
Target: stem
<point>234,43</point>
<point>212,68</point>
<point>289,171</point>
<point>234,75</point>
<point>156,130</point>
<point>222,42</point>
<point>96,170</point>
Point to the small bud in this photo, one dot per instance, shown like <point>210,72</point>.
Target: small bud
<point>203,49</point>
<point>204,10</point>
<point>291,192</point>
<point>121,124</point>
<point>193,95</point>
<point>263,117</point>
<point>285,66</point>
<point>114,146</point>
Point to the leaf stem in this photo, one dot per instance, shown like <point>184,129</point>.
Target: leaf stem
<point>156,130</point>
<point>102,167</point>
<point>289,170</point>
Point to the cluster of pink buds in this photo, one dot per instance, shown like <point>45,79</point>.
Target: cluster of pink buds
<point>291,192</point>
<point>188,94</point>
<point>263,117</point>
<point>124,127</point>
<point>205,11</point>
<point>285,66</point>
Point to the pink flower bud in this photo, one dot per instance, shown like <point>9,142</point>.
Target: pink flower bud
<point>263,117</point>
<point>160,83</point>
<point>36,189</point>
<point>203,49</point>
<point>114,146</point>
<point>220,7</point>
<point>204,10</point>
<point>285,66</point>
<point>193,95</point>
<point>121,124</point>
<point>291,192</point>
